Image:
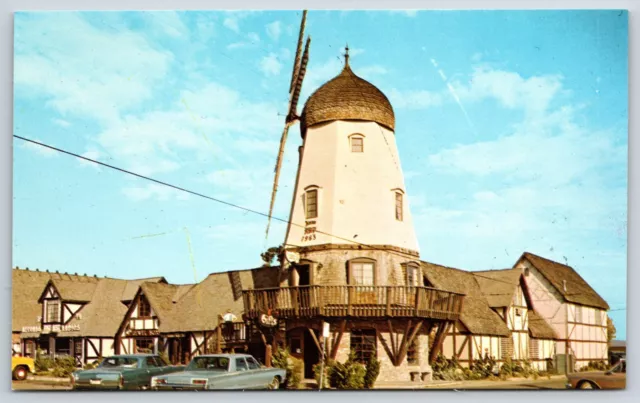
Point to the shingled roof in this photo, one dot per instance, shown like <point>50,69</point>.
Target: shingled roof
<point>577,290</point>
<point>476,314</point>
<point>539,328</point>
<point>199,307</point>
<point>102,314</point>
<point>498,286</point>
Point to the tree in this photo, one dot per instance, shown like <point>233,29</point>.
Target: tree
<point>269,255</point>
<point>611,329</point>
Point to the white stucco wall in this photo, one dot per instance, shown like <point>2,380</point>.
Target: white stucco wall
<point>355,190</point>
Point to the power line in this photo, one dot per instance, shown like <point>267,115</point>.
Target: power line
<point>182,189</point>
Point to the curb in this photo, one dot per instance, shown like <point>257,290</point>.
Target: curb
<point>47,379</point>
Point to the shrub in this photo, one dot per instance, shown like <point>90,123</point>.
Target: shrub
<point>599,365</point>
<point>294,367</point>
<point>483,368</point>
<point>43,362</point>
<point>348,375</point>
<point>64,366</point>
<point>326,381</point>
<point>372,371</point>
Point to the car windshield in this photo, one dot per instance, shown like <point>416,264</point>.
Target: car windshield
<point>209,364</point>
<point>113,362</point>
<point>620,367</point>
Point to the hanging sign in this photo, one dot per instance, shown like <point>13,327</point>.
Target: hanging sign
<point>325,329</point>
<point>268,320</point>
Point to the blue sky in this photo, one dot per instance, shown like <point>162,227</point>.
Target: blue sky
<point>511,127</point>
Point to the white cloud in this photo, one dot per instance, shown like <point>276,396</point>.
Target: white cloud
<point>274,30</point>
<point>94,155</point>
<point>270,65</point>
<point>231,23</point>
<point>408,13</point>
<point>253,37</point>
<point>169,22</point>
<point>61,122</point>
<point>418,99</point>
<point>123,71</point>
<point>155,191</point>
<point>38,149</point>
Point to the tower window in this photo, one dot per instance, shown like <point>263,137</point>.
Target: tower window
<point>362,273</point>
<point>311,203</point>
<point>399,211</point>
<point>413,275</point>
<point>357,144</point>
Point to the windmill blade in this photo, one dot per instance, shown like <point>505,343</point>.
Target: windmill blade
<point>299,69</point>
<point>295,95</point>
<point>296,60</point>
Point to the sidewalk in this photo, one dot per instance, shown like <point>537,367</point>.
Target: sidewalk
<point>462,384</point>
<point>47,379</point>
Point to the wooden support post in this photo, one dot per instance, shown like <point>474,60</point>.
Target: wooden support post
<point>295,301</point>
<point>437,343</point>
<point>403,343</point>
<point>403,351</point>
<point>418,300</point>
<point>219,335</point>
<point>315,339</point>
<point>268,355</point>
<point>392,336</point>
<point>349,299</point>
<point>336,343</point>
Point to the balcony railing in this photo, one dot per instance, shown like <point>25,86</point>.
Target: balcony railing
<point>354,301</point>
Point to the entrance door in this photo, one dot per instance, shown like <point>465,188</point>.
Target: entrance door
<point>310,353</point>
<point>304,277</point>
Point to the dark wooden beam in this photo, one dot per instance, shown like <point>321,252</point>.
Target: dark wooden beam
<point>338,339</point>
<point>437,343</point>
<point>392,336</point>
<point>315,339</point>
<point>403,352</point>
<point>403,342</point>
<point>391,354</point>
<point>459,351</point>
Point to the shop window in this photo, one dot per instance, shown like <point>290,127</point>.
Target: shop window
<point>144,346</point>
<point>363,344</point>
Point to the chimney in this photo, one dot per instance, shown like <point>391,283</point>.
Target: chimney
<point>564,285</point>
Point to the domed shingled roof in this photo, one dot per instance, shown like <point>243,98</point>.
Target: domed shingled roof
<point>347,97</point>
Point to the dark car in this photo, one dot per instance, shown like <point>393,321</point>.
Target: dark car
<point>123,372</point>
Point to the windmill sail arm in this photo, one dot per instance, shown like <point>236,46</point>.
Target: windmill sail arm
<point>292,115</point>
<point>296,60</point>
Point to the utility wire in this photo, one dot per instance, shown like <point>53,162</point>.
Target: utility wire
<point>179,188</point>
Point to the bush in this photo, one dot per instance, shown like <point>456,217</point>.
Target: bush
<point>294,367</point>
<point>43,362</point>
<point>350,375</point>
<point>372,371</point>
<point>93,365</point>
<point>64,366</point>
<point>326,381</point>
<point>599,365</point>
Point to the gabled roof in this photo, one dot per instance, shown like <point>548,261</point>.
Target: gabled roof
<point>71,290</point>
<point>163,297</point>
<point>132,286</point>
<point>577,290</point>
<point>539,328</point>
<point>26,288</point>
<point>498,286</point>
<point>219,293</point>
<point>476,314</point>
<point>101,315</point>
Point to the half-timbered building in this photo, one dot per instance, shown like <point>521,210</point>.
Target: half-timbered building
<point>71,315</point>
<point>480,330</point>
<point>575,311</point>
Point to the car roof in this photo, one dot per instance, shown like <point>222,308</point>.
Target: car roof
<point>133,356</point>
<point>225,355</point>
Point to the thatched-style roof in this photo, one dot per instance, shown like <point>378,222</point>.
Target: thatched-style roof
<point>577,290</point>
<point>347,97</point>
<point>539,328</point>
<point>476,314</point>
<point>498,286</point>
<point>219,293</point>
<point>163,297</point>
<point>101,315</point>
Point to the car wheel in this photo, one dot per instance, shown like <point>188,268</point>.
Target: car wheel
<point>275,383</point>
<point>586,385</point>
<point>20,373</point>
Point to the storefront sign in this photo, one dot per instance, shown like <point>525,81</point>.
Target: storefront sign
<point>51,328</point>
<point>141,332</point>
<point>268,320</point>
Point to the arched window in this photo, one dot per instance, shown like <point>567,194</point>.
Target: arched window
<point>362,271</point>
<point>311,202</point>
<point>357,143</point>
<point>399,205</point>
<point>414,278</point>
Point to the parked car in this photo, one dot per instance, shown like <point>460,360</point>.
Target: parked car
<point>21,367</point>
<point>615,378</point>
<point>222,371</point>
<point>123,372</point>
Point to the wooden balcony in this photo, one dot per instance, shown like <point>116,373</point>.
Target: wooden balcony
<point>353,301</point>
